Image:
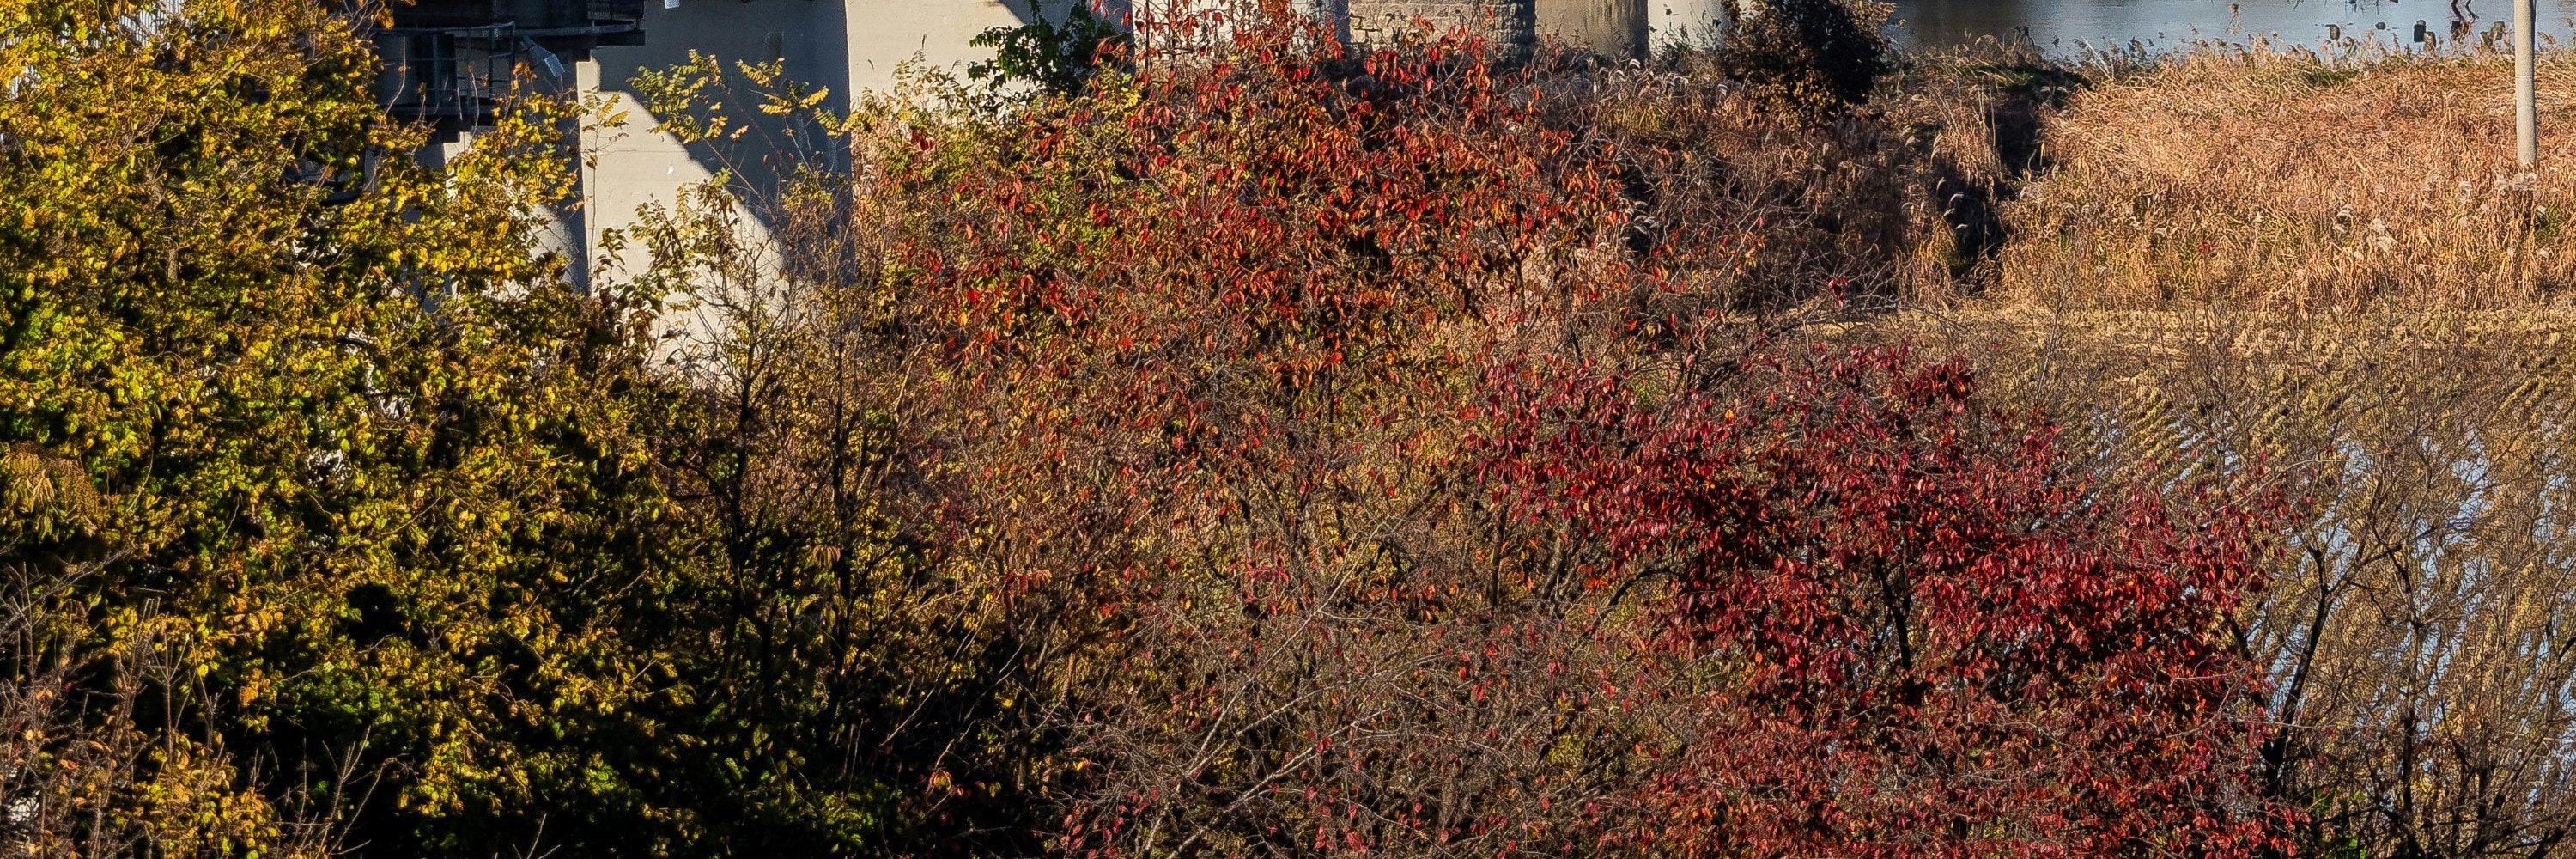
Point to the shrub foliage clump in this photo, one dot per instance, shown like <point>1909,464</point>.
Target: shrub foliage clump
<point>1807,57</point>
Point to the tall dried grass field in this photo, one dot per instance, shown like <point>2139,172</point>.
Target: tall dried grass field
<point>2276,180</point>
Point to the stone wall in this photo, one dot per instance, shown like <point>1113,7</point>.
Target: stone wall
<point>1511,24</point>
<point>1617,29</point>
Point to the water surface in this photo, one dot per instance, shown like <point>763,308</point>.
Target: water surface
<point>2068,26</point>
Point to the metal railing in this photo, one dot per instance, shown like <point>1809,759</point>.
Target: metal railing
<point>616,11</point>
<point>457,60</point>
<point>459,74</point>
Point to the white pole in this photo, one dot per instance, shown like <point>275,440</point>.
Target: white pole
<point>2525,88</point>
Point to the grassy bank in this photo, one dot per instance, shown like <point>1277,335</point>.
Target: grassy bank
<point>2282,181</point>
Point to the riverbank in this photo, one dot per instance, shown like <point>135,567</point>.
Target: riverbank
<point>2271,180</point>
<point>2328,282</point>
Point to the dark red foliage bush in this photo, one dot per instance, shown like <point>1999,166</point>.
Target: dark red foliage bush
<point>1903,627</point>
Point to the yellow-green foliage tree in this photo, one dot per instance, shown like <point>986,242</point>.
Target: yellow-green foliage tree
<point>336,519</point>
<point>299,429</point>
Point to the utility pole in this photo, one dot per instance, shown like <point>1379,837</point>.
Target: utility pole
<point>2526,110</point>
<point>2526,89</point>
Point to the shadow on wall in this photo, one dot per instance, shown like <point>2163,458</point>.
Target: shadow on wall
<point>1615,29</point>
<point>840,45</point>
<point>631,166</point>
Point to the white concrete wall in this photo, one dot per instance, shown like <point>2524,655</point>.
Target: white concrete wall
<point>842,45</point>
<point>885,33</point>
<point>630,166</point>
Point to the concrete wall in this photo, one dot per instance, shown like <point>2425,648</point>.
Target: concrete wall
<point>843,45</point>
<point>1672,23</point>
<point>630,166</point>
<point>935,31</point>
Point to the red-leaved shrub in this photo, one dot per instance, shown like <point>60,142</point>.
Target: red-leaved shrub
<point>1899,626</point>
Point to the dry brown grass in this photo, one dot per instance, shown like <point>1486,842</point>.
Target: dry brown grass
<point>2281,180</point>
